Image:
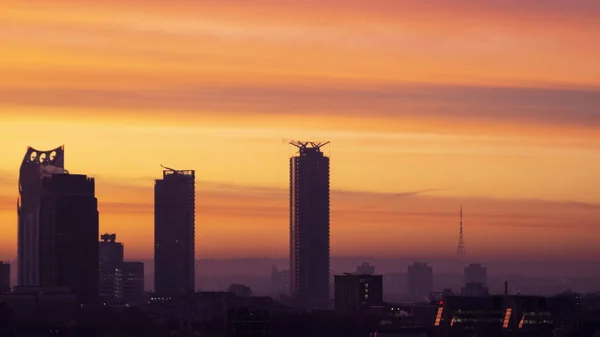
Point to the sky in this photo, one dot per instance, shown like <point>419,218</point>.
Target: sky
<point>428,104</point>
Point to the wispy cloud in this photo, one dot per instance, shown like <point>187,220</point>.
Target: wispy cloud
<point>535,106</point>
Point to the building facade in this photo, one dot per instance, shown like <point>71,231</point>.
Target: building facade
<point>68,235</point>
<point>35,166</point>
<point>174,232</point>
<point>120,282</point>
<point>309,225</point>
<point>355,292</point>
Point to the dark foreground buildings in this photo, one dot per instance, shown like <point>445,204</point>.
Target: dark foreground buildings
<point>174,221</point>
<point>503,316</point>
<point>120,282</point>
<point>4,277</point>
<point>35,165</point>
<point>68,232</point>
<point>309,225</point>
<point>358,292</point>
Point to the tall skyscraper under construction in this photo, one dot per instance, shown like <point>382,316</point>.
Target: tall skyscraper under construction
<point>174,221</point>
<point>35,166</point>
<point>309,224</point>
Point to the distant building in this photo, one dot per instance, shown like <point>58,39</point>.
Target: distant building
<point>174,233</point>
<point>355,292</point>
<point>35,166</point>
<point>476,273</point>
<point>365,269</point>
<point>280,281</point>
<point>309,225</point>
<point>420,281</point>
<point>120,282</point>
<point>69,234</point>
<point>110,250</point>
<point>4,277</point>
<point>395,285</point>
<point>438,296</point>
<point>475,289</point>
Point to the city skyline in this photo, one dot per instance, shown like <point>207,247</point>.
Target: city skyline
<point>417,128</point>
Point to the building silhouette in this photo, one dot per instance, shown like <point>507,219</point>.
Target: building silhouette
<point>365,269</point>
<point>120,282</point>
<point>356,292</point>
<point>309,225</point>
<point>35,165</point>
<point>420,280</point>
<point>476,273</point>
<point>174,221</point>
<point>280,281</point>
<point>110,250</point>
<point>69,234</point>
<point>4,277</point>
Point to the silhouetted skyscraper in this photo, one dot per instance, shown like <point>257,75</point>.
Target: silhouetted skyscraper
<point>309,224</point>
<point>36,165</point>
<point>174,221</point>
<point>69,235</point>
<point>120,282</point>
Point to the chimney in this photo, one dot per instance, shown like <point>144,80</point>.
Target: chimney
<point>505,287</point>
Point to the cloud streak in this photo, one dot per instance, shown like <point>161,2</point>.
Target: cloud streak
<point>535,106</point>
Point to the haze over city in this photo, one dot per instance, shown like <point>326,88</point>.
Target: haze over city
<point>480,104</point>
<point>322,168</point>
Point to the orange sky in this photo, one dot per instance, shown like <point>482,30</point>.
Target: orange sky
<point>491,103</point>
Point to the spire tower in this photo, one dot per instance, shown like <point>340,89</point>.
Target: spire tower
<point>460,250</point>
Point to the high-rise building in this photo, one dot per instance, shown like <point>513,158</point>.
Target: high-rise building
<point>120,282</point>
<point>110,250</point>
<point>365,269</point>
<point>35,166</point>
<point>174,221</point>
<point>420,280</point>
<point>69,235</point>
<point>354,292</point>
<point>476,273</point>
<point>309,224</point>
<point>4,277</point>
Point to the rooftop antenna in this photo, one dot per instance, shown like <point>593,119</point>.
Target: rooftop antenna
<point>168,168</point>
<point>460,250</point>
<point>308,145</point>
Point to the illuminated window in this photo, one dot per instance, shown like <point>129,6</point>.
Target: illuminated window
<point>507,317</point>
<point>438,317</point>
